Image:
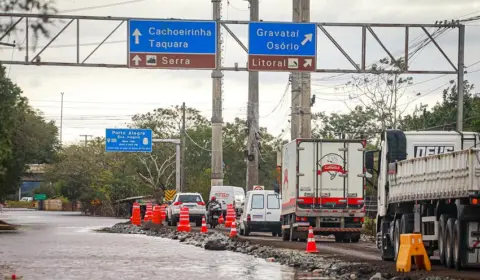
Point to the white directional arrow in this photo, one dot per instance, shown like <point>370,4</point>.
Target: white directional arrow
<point>308,38</point>
<point>137,34</point>
<point>136,59</point>
<point>307,62</point>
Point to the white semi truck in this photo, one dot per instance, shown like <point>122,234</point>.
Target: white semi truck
<point>429,183</point>
<point>323,185</point>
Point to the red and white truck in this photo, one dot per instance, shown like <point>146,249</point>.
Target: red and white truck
<point>429,183</point>
<point>323,186</point>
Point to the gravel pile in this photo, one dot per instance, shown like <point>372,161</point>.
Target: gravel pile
<point>316,264</point>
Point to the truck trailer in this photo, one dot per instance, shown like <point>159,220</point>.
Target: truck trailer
<point>323,186</point>
<point>429,183</point>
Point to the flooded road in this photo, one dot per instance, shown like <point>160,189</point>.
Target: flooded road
<point>54,245</point>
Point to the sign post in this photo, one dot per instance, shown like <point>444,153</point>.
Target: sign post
<point>258,188</point>
<point>282,46</point>
<point>128,140</point>
<point>169,44</point>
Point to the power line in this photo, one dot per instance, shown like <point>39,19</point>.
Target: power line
<point>101,6</point>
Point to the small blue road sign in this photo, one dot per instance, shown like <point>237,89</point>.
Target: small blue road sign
<point>128,140</point>
<point>275,46</point>
<point>172,44</point>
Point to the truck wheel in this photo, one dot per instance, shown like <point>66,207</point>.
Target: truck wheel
<point>198,223</point>
<point>449,243</point>
<point>396,237</point>
<point>458,244</point>
<point>247,231</point>
<point>242,232</point>
<point>285,235</point>
<point>388,252</point>
<point>442,224</point>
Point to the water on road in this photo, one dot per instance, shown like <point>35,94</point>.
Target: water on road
<point>59,245</point>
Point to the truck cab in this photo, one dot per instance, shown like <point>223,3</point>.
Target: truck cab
<point>417,191</point>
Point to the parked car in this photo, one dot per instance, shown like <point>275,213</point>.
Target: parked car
<point>193,201</point>
<point>261,213</point>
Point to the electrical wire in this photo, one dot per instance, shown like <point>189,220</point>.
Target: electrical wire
<point>101,6</point>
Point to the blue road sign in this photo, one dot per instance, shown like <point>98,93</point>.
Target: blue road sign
<point>272,38</point>
<point>128,140</point>
<point>172,37</point>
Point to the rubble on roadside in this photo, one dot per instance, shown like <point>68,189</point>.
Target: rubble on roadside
<point>316,264</point>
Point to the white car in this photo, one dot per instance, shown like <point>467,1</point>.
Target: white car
<point>195,204</point>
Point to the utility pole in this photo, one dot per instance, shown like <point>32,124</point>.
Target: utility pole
<point>86,138</point>
<point>61,119</point>
<point>182,139</point>
<point>217,119</point>
<point>253,115</point>
<point>460,82</point>
<point>301,117</point>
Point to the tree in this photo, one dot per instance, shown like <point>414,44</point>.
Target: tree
<point>380,92</point>
<point>359,123</point>
<point>443,115</point>
<point>166,122</point>
<point>26,136</point>
<point>39,26</point>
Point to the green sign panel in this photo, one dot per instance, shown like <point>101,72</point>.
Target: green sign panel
<point>40,196</point>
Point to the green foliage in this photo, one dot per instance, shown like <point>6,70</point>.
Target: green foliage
<point>89,173</point>
<point>443,115</point>
<point>26,136</point>
<point>20,204</point>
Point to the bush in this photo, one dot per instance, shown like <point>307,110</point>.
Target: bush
<point>369,227</point>
<point>20,204</point>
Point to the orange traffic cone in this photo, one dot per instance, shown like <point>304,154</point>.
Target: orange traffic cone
<point>136,216</point>
<point>221,220</point>
<point>230,216</point>
<point>311,244</point>
<point>233,230</point>
<point>148,213</point>
<point>204,226</point>
<point>184,221</point>
<point>156,215</point>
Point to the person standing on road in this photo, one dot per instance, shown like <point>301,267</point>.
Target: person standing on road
<point>1,207</point>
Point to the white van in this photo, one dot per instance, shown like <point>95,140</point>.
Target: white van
<point>225,195</point>
<point>261,213</point>
<point>239,199</point>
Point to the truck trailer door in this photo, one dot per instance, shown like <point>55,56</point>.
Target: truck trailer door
<point>331,186</point>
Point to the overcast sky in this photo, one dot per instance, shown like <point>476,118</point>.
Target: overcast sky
<point>97,98</point>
